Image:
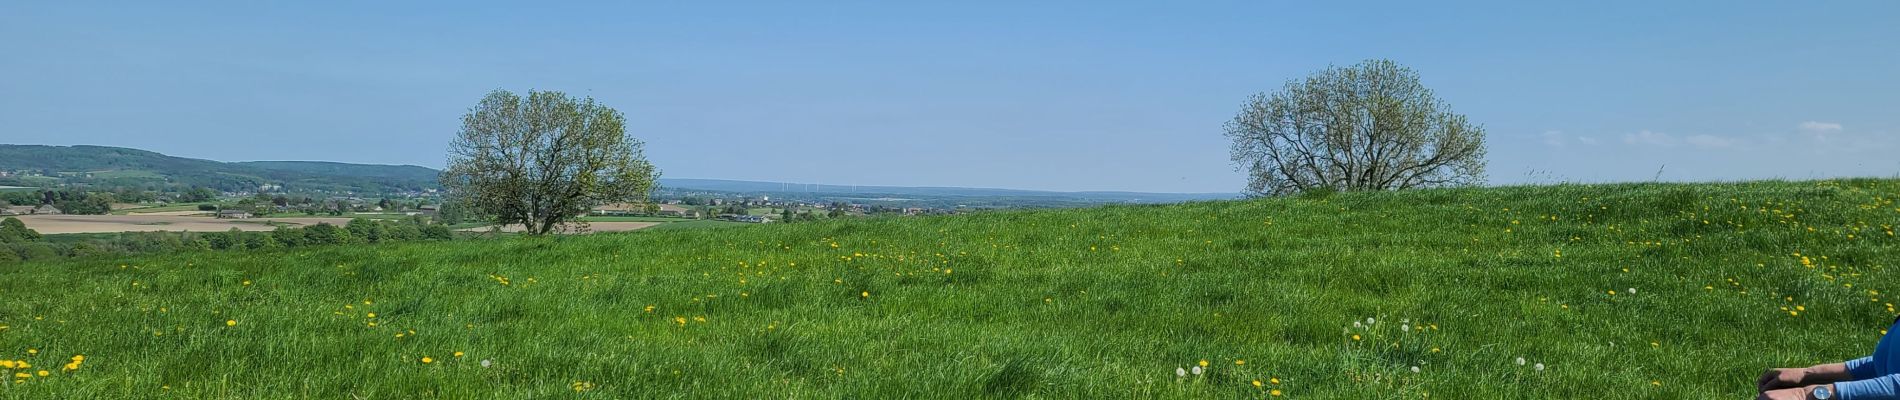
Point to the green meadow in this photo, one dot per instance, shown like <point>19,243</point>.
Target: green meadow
<point>1627,291</point>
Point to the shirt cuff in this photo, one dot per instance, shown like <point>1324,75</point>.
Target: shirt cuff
<point>1862,368</point>
<point>1886,387</point>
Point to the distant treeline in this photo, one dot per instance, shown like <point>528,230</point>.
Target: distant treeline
<point>18,243</point>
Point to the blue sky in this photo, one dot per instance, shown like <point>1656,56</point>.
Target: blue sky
<point>1055,96</point>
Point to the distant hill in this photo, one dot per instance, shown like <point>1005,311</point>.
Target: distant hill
<point>114,167</point>
<point>1005,197</point>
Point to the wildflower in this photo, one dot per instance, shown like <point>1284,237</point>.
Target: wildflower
<point>1355,338</point>
<point>1274,392</point>
<point>1240,362</point>
<point>1405,327</point>
<point>32,351</point>
<point>864,294</point>
<point>230,322</point>
<point>1180,372</point>
<point>1632,290</point>
<point>1368,320</point>
<point>486,363</point>
<point>1256,383</point>
<point>1275,380</point>
<point>458,354</point>
<point>426,360</point>
<point>1203,363</point>
<point>372,315</point>
<point>1520,361</point>
<point>1415,368</point>
<point>43,373</point>
<point>1197,370</point>
<point>1539,367</point>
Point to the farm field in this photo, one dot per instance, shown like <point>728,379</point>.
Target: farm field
<point>161,221</point>
<point>173,209</point>
<point>1629,291</point>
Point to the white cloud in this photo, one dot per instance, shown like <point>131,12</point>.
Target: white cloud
<point>1554,138</point>
<point>1659,139</point>
<point>1649,138</point>
<point>1559,139</point>
<point>1820,130</point>
<point>1708,141</point>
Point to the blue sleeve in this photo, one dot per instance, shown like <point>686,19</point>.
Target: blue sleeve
<point>1862,368</point>
<point>1885,387</point>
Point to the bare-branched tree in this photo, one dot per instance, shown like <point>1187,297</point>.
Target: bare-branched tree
<point>1371,126</point>
<point>543,160</point>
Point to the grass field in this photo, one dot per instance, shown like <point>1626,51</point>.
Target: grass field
<point>158,209</point>
<point>1639,291</point>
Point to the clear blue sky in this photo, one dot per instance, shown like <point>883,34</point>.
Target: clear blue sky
<point>1057,96</point>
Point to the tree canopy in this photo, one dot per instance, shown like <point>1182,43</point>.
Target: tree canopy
<point>544,159</point>
<point>1370,126</point>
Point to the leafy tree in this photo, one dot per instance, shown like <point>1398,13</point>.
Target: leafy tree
<point>437,232</point>
<point>14,231</point>
<point>1371,126</point>
<point>287,237</point>
<point>542,160</point>
<point>89,249</point>
<point>323,233</point>
<point>224,240</point>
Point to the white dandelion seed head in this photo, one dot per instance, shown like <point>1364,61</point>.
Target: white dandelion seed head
<point>1520,361</point>
<point>1415,369</point>
<point>1197,370</point>
<point>1539,366</point>
<point>1356,324</point>
<point>486,363</point>
<point>1632,290</point>
<point>1368,320</point>
<point>1405,327</point>
<point>1180,372</point>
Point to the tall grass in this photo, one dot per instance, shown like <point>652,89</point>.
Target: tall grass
<point>1631,291</point>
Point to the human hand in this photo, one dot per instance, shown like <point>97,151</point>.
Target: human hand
<point>1798,393</point>
<point>1780,378</point>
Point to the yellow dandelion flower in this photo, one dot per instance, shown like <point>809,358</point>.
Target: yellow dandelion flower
<point>43,373</point>
<point>1275,392</point>
<point>458,354</point>
<point>371,315</point>
<point>1240,362</point>
<point>1256,383</point>
<point>1203,363</point>
<point>1355,337</point>
<point>1275,380</point>
<point>32,351</point>
<point>230,322</point>
<point>426,360</point>
<point>864,294</point>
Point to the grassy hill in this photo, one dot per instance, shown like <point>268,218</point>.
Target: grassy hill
<point>1635,291</point>
<point>102,166</point>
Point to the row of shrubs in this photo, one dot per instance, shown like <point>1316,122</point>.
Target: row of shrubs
<point>18,244</point>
